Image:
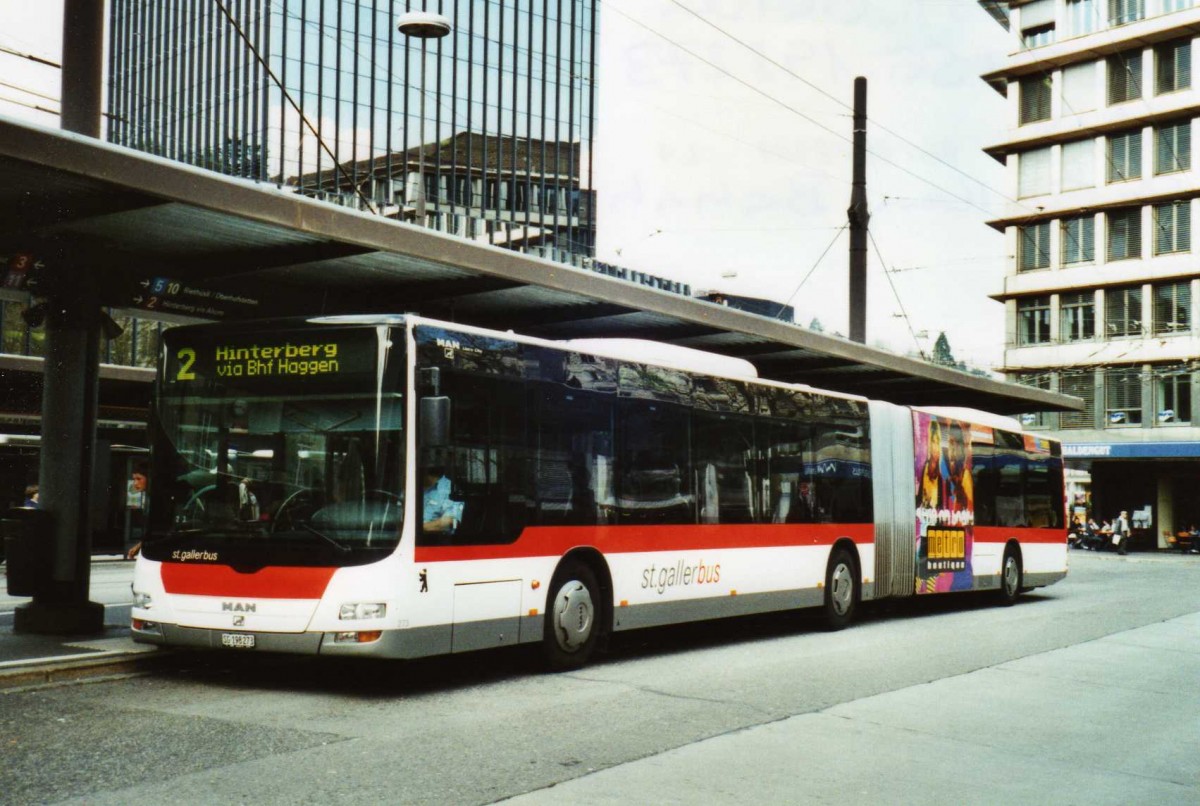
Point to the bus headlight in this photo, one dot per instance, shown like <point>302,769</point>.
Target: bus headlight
<point>142,601</point>
<point>350,612</point>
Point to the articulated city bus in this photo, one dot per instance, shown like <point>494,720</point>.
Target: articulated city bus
<point>402,487</point>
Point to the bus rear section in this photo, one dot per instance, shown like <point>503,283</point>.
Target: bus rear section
<point>974,506</point>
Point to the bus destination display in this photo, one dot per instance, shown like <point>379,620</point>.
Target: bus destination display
<point>281,359</point>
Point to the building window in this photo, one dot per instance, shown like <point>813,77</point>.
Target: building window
<point>1079,164</point>
<point>1122,12</point>
<point>1123,311</point>
<point>1038,36</point>
<point>1124,77</point>
<point>1123,396</point>
<point>1125,156</point>
<point>1077,316</point>
<point>1033,172</point>
<point>1079,239</point>
<point>1079,88</point>
<point>1037,23</point>
<point>1173,308</point>
<point>1172,227</point>
<point>1035,380</point>
<point>1035,246</point>
<point>1125,234</point>
<point>1033,320</point>
<point>1173,394</point>
<point>1083,17</point>
<point>1173,147</point>
<point>1082,385</point>
<point>1176,5</point>
<point>1173,66</point>
<point>1035,99</point>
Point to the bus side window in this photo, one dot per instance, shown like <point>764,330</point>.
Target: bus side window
<point>653,474</point>
<point>486,460</point>
<point>1043,498</point>
<point>723,446</point>
<point>841,470</point>
<point>570,456</point>
<point>785,447</point>
<point>984,481</point>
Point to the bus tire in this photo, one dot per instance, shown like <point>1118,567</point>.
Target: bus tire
<point>573,617</point>
<point>1010,577</point>
<point>841,589</point>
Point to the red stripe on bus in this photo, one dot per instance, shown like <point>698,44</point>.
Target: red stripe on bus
<point>272,582</point>
<point>550,541</point>
<point>1002,534</point>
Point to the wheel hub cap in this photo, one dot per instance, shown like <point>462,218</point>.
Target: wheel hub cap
<point>841,591</point>
<point>574,615</point>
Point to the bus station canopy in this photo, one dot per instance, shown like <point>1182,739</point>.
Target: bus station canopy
<point>161,235</point>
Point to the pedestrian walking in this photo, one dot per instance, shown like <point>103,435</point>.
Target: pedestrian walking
<point>1121,532</point>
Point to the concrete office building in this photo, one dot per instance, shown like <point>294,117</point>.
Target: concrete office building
<point>1104,278</point>
<point>325,96</point>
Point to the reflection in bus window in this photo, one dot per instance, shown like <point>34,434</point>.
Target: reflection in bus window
<point>571,457</point>
<point>787,450</point>
<point>653,455</point>
<point>724,468</point>
<point>1043,492</point>
<point>1010,499</point>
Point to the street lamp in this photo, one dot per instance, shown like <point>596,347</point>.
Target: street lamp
<point>423,25</point>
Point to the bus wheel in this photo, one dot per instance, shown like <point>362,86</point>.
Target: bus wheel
<point>572,617</point>
<point>841,590</point>
<point>1010,577</point>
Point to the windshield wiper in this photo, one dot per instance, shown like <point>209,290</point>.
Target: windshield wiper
<point>344,549</point>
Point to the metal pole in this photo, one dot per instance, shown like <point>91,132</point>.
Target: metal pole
<point>859,217</point>
<point>71,371</point>
<point>421,146</point>
<point>82,65</point>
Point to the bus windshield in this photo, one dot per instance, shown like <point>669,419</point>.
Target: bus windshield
<point>279,445</point>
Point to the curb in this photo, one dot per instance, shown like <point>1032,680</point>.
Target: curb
<point>48,673</point>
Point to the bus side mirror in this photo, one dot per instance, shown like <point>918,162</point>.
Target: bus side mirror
<point>435,422</point>
<point>429,380</point>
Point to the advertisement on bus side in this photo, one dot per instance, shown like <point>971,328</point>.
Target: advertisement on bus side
<point>945,504</point>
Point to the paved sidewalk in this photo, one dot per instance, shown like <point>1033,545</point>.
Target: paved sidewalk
<point>1111,721</point>
<point>30,660</point>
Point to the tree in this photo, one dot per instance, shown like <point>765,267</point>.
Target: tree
<point>941,351</point>
<point>816,326</point>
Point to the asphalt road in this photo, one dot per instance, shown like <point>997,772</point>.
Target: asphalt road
<point>1083,692</point>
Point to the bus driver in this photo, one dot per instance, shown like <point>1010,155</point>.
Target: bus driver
<point>441,514</point>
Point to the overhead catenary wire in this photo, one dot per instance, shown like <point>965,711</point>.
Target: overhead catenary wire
<point>896,294</point>
<point>874,121</point>
<point>804,280</point>
<point>31,57</point>
<point>759,91</point>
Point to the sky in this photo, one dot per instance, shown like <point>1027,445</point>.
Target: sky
<point>730,169</point>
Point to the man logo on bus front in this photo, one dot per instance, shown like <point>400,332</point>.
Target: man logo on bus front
<point>424,577</point>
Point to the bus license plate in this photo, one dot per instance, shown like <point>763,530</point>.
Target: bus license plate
<point>237,640</point>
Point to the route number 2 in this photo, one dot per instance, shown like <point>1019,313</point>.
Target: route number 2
<point>187,357</point>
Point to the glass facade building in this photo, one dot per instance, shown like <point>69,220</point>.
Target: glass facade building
<point>324,96</point>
